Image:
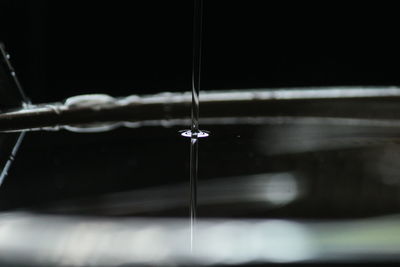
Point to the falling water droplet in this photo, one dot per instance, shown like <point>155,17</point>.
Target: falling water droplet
<point>199,134</point>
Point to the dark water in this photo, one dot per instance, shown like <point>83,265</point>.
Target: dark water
<point>302,170</point>
<point>323,170</point>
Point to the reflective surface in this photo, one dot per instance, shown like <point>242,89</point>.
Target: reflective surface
<point>305,167</point>
<point>320,189</point>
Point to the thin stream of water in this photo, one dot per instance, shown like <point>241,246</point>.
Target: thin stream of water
<point>194,148</point>
<point>196,68</point>
<point>194,142</point>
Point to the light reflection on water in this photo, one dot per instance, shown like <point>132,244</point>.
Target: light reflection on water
<point>268,190</point>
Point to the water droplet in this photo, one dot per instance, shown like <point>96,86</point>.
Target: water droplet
<point>198,134</point>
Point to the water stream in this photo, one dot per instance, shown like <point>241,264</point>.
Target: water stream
<point>195,133</point>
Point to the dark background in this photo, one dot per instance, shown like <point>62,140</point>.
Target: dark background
<point>64,48</point>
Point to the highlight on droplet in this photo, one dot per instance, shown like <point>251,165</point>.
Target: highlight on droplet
<point>198,134</point>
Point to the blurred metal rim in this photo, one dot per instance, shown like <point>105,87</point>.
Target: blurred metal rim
<point>336,102</point>
<point>42,240</point>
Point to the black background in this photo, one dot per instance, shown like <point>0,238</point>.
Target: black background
<point>64,48</point>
